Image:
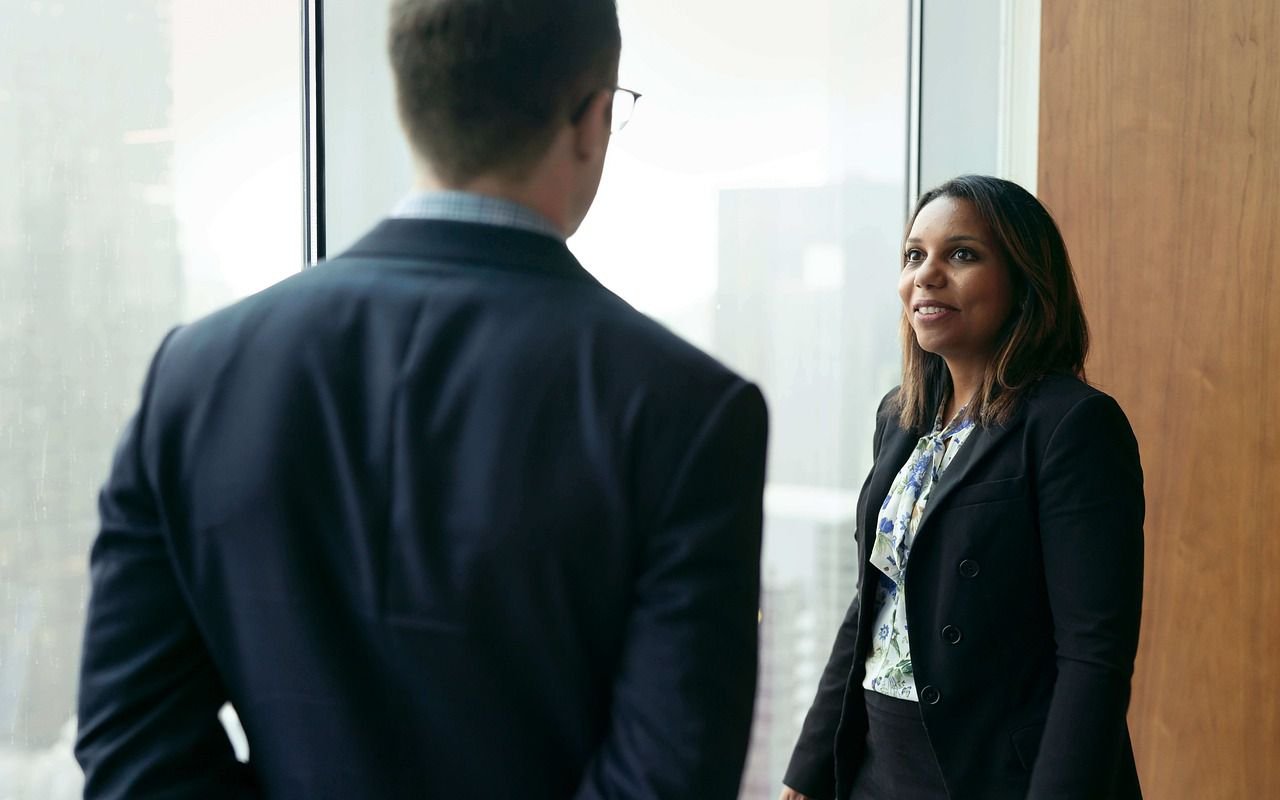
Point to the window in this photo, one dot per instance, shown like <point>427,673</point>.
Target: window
<point>152,159</point>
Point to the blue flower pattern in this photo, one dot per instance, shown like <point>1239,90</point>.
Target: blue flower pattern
<point>888,666</point>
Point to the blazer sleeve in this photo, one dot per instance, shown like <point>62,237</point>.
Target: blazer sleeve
<point>812,769</point>
<point>1091,509</point>
<point>683,692</point>
<point>149,695</point>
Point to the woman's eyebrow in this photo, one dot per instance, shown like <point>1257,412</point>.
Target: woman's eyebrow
<point>963,237</point>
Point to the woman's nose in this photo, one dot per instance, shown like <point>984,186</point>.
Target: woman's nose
<point>930,274</point>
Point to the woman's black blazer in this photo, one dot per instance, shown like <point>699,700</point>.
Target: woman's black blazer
<point>1024,593</point>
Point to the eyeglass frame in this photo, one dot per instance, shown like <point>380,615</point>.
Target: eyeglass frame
<point>576,116</point>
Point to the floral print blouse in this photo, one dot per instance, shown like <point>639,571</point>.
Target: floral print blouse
<point>888,666</point>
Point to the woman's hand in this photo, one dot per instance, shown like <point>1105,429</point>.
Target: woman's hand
<point>791,794</point>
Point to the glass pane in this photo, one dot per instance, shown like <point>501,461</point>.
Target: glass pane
<point>152,159</point>
<point>755,204</point>
<point>367,168</point>
<point>961,111</point>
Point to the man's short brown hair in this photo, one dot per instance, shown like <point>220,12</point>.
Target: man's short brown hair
<point>481,85</point>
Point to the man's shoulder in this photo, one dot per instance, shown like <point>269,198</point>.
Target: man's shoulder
<point>652,339</point>
<point>652,353</point>
<point>222,327</point>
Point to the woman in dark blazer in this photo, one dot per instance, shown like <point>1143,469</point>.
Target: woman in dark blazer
<point>989,648</point>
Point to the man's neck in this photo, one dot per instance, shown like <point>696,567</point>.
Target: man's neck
<point>528,193</point>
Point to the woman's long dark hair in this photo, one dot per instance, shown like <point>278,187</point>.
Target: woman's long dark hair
<point>1046,330</point>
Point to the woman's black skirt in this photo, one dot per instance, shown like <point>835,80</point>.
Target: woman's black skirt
<point>897,761</point>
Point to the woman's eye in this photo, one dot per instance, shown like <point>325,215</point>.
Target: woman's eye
<point>965,254</point>
<point>914,256</point>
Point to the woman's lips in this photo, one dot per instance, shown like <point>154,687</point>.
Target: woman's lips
<point>929,312</point>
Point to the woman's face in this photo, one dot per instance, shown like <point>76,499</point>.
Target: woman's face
<point>955,284</point>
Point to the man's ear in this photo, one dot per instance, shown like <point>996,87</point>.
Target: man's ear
<point>591,131</point>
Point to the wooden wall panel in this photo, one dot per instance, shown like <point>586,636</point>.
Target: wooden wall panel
<point>1160,157</point>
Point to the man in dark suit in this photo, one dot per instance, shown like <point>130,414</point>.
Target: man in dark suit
<point>441,517</point>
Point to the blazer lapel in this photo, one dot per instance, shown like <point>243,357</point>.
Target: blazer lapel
<point>980,444</point>
<point>894,451</point>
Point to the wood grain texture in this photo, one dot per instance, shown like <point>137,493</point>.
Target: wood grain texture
<point>1160,157</point>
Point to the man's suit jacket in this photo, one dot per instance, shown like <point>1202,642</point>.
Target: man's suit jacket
<point>1023,597</point>
<point>442,517</point>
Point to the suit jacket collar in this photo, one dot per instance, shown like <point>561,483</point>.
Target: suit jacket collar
<point>895,450</point>
<point>468,243</point>
<point>980,444</point>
